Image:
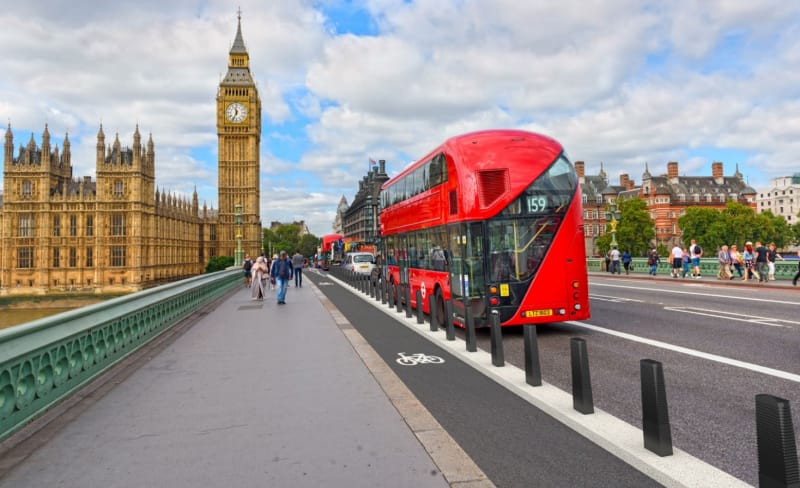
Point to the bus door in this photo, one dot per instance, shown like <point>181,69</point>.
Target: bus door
<point>467,278</point>
<point>402,260</point>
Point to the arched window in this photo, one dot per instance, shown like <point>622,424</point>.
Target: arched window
<point>27,189</point>
<point>118,188</point>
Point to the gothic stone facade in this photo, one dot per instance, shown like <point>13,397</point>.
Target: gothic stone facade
<point>115,234</point>
<point>118,233</point>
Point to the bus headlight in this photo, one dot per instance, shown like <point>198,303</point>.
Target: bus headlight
<point>577,306</point>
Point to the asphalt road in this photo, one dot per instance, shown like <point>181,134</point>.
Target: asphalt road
<point>720,343</point>
<point>514,443</point>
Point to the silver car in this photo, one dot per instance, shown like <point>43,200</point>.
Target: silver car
<point>360,262</point>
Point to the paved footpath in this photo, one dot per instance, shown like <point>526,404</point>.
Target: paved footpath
<point>253,395</point>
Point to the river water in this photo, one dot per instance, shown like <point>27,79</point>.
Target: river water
<point>12,317</point>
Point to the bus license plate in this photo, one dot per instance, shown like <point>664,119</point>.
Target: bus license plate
<point>539,313</point>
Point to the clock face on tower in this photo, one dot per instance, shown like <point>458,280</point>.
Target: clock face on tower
<point>236,112</point>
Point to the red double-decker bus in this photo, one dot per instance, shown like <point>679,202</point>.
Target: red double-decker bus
<point>492,220</point>
<point>331,250</point>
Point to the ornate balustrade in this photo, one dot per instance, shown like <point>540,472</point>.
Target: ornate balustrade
<point>44,361</point>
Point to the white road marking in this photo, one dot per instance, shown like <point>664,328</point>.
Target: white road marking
<point>612,434</point>
<point>611,298</point>
<point>694,292</point>
<point>692,352</point>
<point>722,314</point>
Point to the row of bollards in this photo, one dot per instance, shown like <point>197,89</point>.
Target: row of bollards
<point>777,449</point>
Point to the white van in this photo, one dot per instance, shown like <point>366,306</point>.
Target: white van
<point>360,262</point>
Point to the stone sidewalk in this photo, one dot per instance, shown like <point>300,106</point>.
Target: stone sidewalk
<point>252,395</point>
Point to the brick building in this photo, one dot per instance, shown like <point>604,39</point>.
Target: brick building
<point>667,197</point>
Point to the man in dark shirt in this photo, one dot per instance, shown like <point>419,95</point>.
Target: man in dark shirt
<point>761,261</point>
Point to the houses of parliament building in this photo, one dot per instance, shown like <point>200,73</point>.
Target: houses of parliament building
<point>118,232</point>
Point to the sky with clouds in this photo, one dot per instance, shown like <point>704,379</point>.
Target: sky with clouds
<point>619,82</point>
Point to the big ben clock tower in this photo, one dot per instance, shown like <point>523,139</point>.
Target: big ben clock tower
<point>239,137</point>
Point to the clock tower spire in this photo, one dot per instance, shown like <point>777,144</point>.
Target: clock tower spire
<point>239,138</point>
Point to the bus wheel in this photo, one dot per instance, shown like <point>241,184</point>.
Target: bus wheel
<point>440,318</point>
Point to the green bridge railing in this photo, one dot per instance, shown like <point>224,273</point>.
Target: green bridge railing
<point>44,361</point>
<point>784,270</point>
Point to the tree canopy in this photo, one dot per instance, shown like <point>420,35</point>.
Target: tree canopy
<point>736,224</point>
<point>635,230</point>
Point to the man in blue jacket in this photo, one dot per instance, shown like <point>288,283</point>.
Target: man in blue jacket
<point>282,272</point>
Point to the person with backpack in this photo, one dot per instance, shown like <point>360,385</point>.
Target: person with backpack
<point>696,252</point>
<point>652,261</point>
<point>282,272</point>
<point>247,266</point>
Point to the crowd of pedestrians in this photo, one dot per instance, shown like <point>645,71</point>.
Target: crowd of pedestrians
<point>264,275</point>
<point>754,262</point>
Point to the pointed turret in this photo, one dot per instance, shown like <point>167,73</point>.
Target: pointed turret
<point>238,60</point>
<point>238,42</point>
<point>67,155</point>
<point>46,147</point>
<point>8,157</point>
<point>101,146</point>
<point>137,147</point>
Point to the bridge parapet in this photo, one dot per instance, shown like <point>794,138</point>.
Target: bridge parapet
<point>44,361</point>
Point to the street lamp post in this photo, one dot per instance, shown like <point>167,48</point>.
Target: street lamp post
<point>239,258</point>
<point>613,215</point>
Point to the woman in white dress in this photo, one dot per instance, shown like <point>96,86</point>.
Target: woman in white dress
<point>259,279</point>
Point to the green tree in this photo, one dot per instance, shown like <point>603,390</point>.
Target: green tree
<point>704,225</point>
<point>635,229</point>
<point>218,263</point>
<point>309,244</point>
<point>736,224</point>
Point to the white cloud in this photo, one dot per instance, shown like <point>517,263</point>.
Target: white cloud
<point>619,81</point>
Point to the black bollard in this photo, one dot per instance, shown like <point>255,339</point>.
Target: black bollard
<point>450,328</point>
<point>407,290</point>
<point>498,357</point>
<point>432,307</point>
<point>777,448</point>
<point>399,297</point>
<point>655,414</point>
<point>390,295</point>
<point>533,371</point>
<point>581,382</point>
<point>381,292</point>
<point>420,312</point>
<point>472,341</point>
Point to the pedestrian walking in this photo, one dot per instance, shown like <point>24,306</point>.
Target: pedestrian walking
<point>615,256</point>
<point>686,261</point>
<point>677,259</point>
<point>749,258</point>
<point>736,260</point>
<point>259,286</point>
<point>761,262</point>
<point>282,272</point>
<point>772,257</point>
<point>626,261</point>
<point>724,260</point>
<point>797,275</point>
<point>247,266</point>
<point>652,261</point>
<point>696,252</point>
<point>297,267</point>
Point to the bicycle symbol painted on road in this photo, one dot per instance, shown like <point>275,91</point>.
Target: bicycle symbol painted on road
<point>419,358</point>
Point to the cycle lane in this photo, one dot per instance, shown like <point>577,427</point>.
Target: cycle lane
<point>513,442</point>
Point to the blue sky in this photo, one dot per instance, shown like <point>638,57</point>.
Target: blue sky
<point>621,82</point>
